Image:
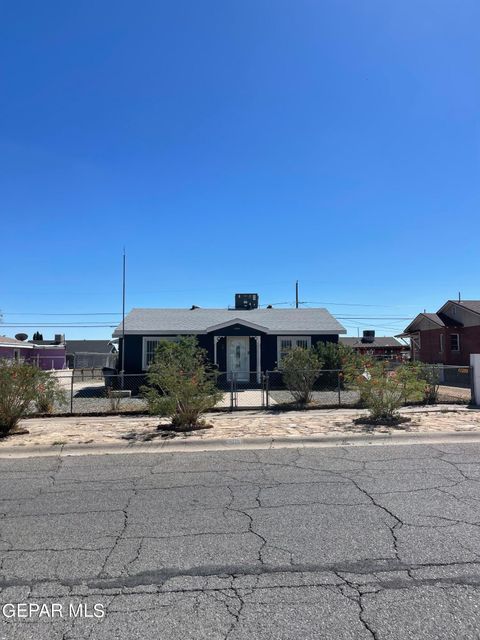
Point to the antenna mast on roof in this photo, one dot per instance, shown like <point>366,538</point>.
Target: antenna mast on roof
<point>123,317</point>
<point>296,295</point>
<point>459,297</point>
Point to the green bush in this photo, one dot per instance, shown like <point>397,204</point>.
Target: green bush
<point>330,354</point>
<point>21,385</point>
<point>333,356</point>
<point>428,376</point>
<point>300,368</point>
<point>50,393</point>
<point>180,383</point>
<point>382,390</point>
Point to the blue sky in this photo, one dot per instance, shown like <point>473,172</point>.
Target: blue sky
<point>238,146</point>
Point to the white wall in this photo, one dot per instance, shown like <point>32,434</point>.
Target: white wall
<point>475,364</point>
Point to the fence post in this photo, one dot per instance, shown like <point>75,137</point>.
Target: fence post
<point>71,391</point>
<point>339,388</point>
<point>267,387</point>
<point>475,378</point>
<point>231,390</point>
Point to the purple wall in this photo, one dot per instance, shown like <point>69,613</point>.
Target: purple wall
<point>7,353</point>
<point>46,358</point>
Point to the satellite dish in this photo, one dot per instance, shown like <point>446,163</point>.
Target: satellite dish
<point>21,336</point>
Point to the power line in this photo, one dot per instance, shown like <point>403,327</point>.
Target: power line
<point>19,313</point>
<point>50,325</point>
<point>348,304</point>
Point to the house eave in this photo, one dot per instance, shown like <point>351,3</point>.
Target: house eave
<point>233,321</point>
<point>12,345</point>
<point>420,316</point>
<point>457,304</point>
<point>159,332</point>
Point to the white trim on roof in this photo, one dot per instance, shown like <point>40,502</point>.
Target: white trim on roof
<point>228,323</point>
<point>16,345</point>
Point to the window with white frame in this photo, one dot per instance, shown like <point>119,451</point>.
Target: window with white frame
<point>454,342</point>
<point>149,346</point>
<point>285,343</point>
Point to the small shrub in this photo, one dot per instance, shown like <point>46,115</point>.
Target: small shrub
<point>20,386</point>
<point>114,398</point>
<point>180,383</point>
<point>300,368</point>
<point>383,391</point>
<point>49,394</point>
<point>430,374</point>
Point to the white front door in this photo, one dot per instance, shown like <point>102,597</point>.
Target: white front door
<point>238,357</point>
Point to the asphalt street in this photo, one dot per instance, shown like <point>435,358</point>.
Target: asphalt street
<point>356,542</point>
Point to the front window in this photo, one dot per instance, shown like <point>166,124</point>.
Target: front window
<point>285,343</point>
<point>454,342</point>
<point>149,347</point>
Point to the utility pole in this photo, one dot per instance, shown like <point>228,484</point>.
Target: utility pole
<point>296,295</point>
<point>123,317</point>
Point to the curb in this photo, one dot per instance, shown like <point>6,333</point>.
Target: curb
<point>170,446</point>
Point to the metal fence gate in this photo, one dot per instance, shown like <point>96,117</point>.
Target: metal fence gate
<point>96,391</point>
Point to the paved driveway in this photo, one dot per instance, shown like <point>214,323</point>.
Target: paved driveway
<point>361,542</point>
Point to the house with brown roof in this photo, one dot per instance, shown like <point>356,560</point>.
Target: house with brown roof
<point>448,336</point>
<point>380,347</point>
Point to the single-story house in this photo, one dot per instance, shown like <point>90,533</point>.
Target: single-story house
<point>384,348</point>
<point>47,354</point>
<point>448,336</point>
<point>240,340</point>
<point>84,354</point>
<point>13,349</point>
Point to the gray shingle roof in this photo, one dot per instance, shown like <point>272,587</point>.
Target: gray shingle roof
<point>88,346</point>
<point>379,342</point>
<point>274,321</point>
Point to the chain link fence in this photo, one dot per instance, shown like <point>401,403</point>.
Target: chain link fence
<point>91,391</point>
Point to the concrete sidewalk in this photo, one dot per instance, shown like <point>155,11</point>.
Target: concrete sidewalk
<point>373,438</point>
<point>261,428</point>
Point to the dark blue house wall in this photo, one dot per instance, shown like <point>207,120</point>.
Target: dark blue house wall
<point>270,343</point>
<point>134,346</point>
<point>133,354</point>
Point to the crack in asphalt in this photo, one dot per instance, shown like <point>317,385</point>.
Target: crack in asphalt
<point>161,577</point>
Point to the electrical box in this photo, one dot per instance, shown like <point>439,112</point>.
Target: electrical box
<point>246,301</point>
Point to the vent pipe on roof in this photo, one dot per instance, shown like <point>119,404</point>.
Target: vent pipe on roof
<point>459,297</point>
<point>193,307</point>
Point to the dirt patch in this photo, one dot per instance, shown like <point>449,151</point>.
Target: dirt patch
<point>394,422</point>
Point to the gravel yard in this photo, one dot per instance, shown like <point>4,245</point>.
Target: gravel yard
<point>241,424</point>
